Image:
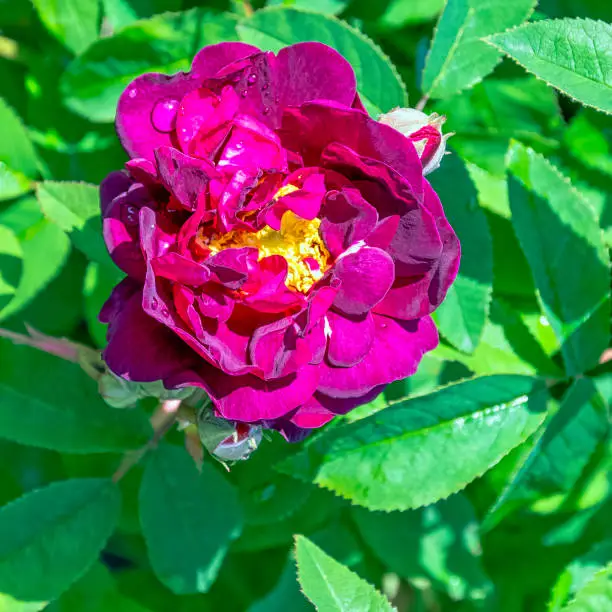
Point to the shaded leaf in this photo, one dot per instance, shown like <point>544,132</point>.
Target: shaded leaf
<point>461,317</point>
<point>39,532</point>
<point>16,149</point>
<point>188,519</point>
<point>560,236</point>
<point>438,543</point>
<point>44,250</point>
<point>562,450</point>
<point>62,410</point>
<point>165,43</point>
<point>75,208</point>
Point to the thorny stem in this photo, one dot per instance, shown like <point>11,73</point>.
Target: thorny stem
<point>162,421</point>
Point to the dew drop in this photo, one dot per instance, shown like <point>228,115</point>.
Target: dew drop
<point>243,93</point>
<point>132,93</point>
<point>163,115</point>
<point>154,303</point>
<point>251,79</point>
<point>264,86</point>
<point>131,215</point>
<point>266,110</point>
<point>165,312</point>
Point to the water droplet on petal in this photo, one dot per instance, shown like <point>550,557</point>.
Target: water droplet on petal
<point>264,86</point>
<point>132,93</point>
<point>277,99</point>
<point>251,79</point>
<point>243,93</point>
<point>131,215</point>
<point>266,110</point>
<point>165,312</point>
<point>163,115</point>
<point>154,303</point>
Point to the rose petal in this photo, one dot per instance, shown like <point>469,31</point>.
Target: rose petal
<point>365,275</point>
<point>142,350</point>
<point>395,354</point>
<point>350,340</point>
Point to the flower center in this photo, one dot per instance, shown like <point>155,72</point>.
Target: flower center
<point>298,241</point>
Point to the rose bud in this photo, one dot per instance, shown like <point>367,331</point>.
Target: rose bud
<point>425,131</point>
<point>225,440</point>
<point>283,251</point>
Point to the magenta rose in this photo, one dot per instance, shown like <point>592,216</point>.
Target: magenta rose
<point>282,249</point>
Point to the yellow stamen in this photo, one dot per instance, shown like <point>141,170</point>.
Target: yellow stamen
<point>298,240</point>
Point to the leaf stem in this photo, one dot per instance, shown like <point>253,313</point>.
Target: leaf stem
<point>162,421</point>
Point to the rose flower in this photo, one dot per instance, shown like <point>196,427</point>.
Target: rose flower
<point>282,249</point>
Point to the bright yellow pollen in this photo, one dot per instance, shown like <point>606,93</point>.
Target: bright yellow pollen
<point>298,240</point>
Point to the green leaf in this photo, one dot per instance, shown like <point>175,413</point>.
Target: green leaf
<point>421,450</point>
<point>48,402</point>
<point>379,85</point>
<point>437,544</point>
<point>461,317</point>
<point>400,13</point>
<point>99,282</point>
<point>573,55</point>
<point>44,250</point>
<point>96,591</point>
<point>188,519</point>
<point>327,7</point>
<point>12,183</point>
<point>286,595</point>
<point>75,208</point>
<point>165,43</point>
<point>579,573</point>
<point>458,58</point>
<point>560,236</point>
<point>563,449</point>
<point>9,604</point>
<point>333,587</point>
<point>75,23</point>
<point>123,12</point>
<point>11,265</point>
<point>596,595</point>
<point>16,149</point>
<point>51,536</point>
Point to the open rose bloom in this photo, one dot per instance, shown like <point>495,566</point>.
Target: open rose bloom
<point>282,249</point>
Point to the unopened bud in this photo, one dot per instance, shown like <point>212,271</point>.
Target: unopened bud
<point>227,440</point>
<point>425,131</point>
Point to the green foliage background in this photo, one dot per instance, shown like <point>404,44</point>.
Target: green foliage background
<point>481,483</point>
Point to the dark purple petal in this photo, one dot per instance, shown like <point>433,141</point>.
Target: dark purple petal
<point>213,58</point>
<point>346,219</point>
<point>313,71</point>
<point>186,178</point>
<point>395,354</point>
<point>248,398</point>
<point>363,277</point>
<point>142,350</point>
<point>312,127</point>
<point>350,340</point>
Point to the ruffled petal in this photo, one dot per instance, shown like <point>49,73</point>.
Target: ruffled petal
<point>307,130</point>
<point>146,112</point>
<point>395,354</point>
